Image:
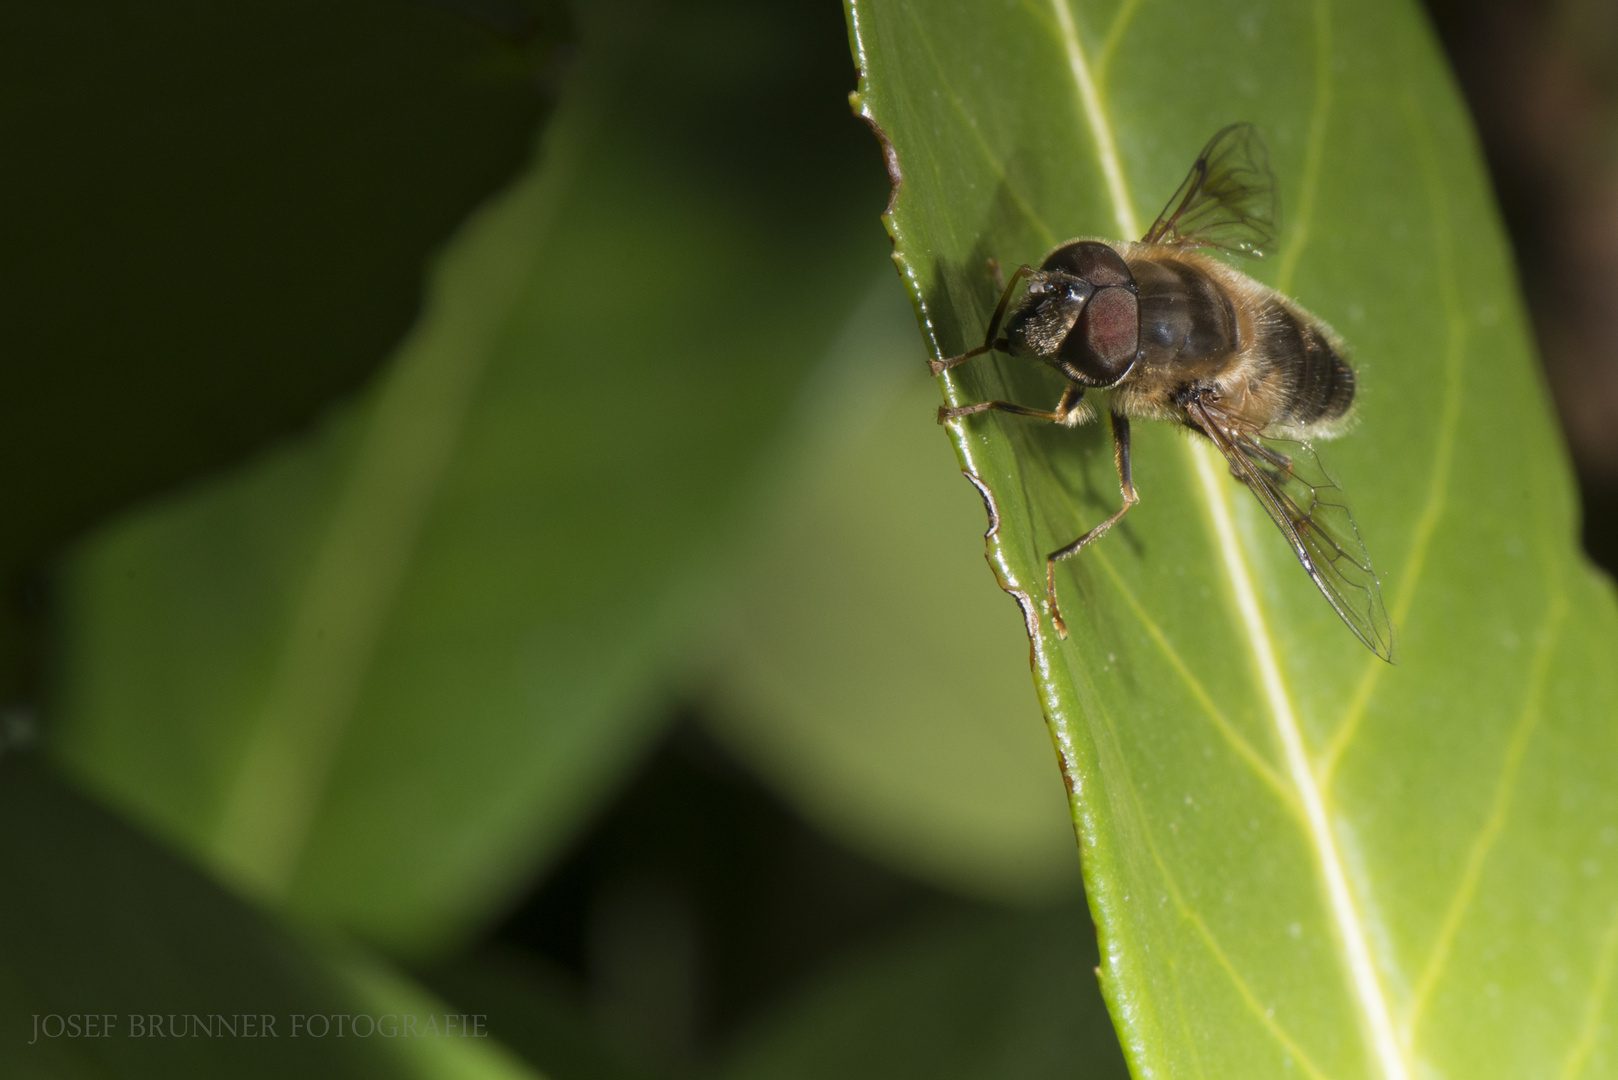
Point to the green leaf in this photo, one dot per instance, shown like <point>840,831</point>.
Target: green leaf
<point>384,673</point>
<point>872,670</point>
<point>243,195</point>
<point>97,921</point>
<point>968,995</point>
<point>541,1013</point>
<point>1300,859</point>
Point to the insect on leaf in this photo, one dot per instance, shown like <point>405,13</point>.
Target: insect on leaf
<point>1302,861</point>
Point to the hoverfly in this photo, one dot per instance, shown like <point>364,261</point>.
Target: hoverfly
<point>1174,334</point>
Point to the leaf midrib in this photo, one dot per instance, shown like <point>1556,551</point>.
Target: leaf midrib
<point>1063,696</point>
<point>409,439</point>
<point>1352,938</point>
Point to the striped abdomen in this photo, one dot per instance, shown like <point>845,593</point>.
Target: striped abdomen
<point>1203,323</point>
<point>1319,384</point>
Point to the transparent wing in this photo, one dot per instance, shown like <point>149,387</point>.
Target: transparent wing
<point>1226,201</point>
<point>1309,510</point>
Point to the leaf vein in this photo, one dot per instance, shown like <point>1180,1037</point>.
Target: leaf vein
<point>1115,35</point>
<point>408,442</point>
<point>1363,977</point>
<point>1024,207</point>
<point>1494,823</point>
<point>1314,149</point>
<point>1100,129</point>
<point>1264,770</point>
<point>1210,942</point>
<point>1590,1030</point>
<point>1444,443</point>
<point>1185,1021</point>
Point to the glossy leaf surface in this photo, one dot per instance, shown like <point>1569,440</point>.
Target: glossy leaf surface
<point>1302,861</point>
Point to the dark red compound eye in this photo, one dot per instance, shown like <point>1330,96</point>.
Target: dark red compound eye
<point>1104,342</point>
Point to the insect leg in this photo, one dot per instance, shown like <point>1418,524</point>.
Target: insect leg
<point>1072,397</point>
<point>1126,486</point>
<point>938,366</point>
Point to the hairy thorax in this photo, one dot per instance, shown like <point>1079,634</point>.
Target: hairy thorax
<point>1207,329</point>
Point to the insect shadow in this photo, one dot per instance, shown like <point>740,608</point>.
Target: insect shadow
<point>1076,461</point>
<point>1168,332</point>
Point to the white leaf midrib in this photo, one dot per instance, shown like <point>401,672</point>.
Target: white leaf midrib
<point>1353,939</point>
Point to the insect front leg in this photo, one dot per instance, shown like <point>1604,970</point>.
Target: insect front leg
<point>1126,485</point>
<point>1068,412</point>
<point>938,366</point>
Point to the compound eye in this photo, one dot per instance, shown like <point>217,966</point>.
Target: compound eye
<point>1092,261</point>
<point>1103,343</point>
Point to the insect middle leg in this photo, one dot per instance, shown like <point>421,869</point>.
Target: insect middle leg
<point>1066,411</point>
<point>1126,485</point>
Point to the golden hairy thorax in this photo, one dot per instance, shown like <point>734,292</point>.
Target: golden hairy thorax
<point>1277,368</point>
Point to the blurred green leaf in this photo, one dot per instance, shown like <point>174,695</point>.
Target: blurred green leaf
<point>534,1010</point>
<point>470,1047</point>
<point>227,210</point>
<point>95,919</point>
<point>872,671</point>
<point>968,995</point>
<point>1300,859</point>
<point>385,672</point>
